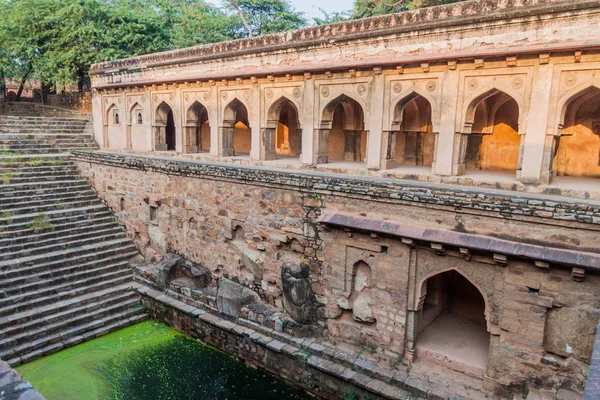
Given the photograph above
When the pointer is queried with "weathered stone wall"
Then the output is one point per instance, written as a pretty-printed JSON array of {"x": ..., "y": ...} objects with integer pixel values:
[{"x": 244, "y": 223}]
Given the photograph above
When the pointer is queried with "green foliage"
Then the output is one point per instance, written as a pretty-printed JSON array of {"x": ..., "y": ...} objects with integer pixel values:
[
  {"x": 8, "y": 176},
  {"x": 40, "y": 223},
  {"x": 350, "y": 394},
  {"x": 266, "y": 16},
  {"x": 370, "y": 8}
]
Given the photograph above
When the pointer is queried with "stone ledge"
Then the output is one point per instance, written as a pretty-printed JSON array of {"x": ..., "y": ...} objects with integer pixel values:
[
  {"x": 12, "y": 385},
  {"x": 360, "y": 373},
  {"x": 590, "y": 261},
  {"x": 559, "y": 210}
]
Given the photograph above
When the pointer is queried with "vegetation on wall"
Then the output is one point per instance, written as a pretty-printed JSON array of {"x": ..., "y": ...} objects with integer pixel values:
[{"x": 56, "y": 41}]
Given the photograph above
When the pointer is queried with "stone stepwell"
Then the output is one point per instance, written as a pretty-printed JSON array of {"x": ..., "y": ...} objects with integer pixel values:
[{"x": 64, "y": 270}]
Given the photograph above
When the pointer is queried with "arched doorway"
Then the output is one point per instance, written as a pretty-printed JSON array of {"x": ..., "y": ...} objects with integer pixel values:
[
  {"x": 165, "y": 134},
  {"x": 342, "y": 135},
  {"x": 197, "y": 129},
  {"x": 492, "y": 126},
  {"x": 282, "y": 136},
  {"x": 413, "y": 141},
  {"x": 577, "y": 149},
  {"x": 236, "y": 131},
  {"x": 451, "y": 324}
]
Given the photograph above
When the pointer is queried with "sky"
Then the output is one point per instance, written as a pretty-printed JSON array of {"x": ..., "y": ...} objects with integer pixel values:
[{"x": 310, "y": 8}]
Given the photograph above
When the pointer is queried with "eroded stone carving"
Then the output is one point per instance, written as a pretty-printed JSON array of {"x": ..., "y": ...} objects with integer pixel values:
[
  {"x": 173, "y": 269},
  {"x": 298, "y": 298},
  {"x": 232, "y": 297}
]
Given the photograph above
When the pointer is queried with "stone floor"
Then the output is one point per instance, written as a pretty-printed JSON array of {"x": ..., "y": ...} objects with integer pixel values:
[
  {"x": 456, "y": 343},
  {"x": 13, "y": 387}
]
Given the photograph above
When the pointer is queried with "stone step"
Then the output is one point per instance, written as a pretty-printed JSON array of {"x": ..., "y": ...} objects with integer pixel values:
[
  {"x": 24, "y": 221},
  {"x": 76, "y": 241},
  {"x": 122, "y": 313},
  {"x": 101, "y": 258},
  {"x": 60, "y": 225},
  {"x": 34, "y": 329},
  {"x": 21, "y": 202},
  {"x": 12, "y": 281},
  {"x": 10, "y": 245},
  {"x": 56, "y": 302},
  {"x": 92, "y": 222},
  {"x": 103, "y": 330},
  {"x": 120, "y": 246},
  {"x": 16, "y": 177},
  {"x": 8, "y": 192},
  {"x": 31, "y": 290},
  {"x": 41, "y": 150},
  {"x": 44, "y": 169},
  {"x": 41, "y": 119},
  {"x": 54, "y": 206},
  {"x": 18, "y": 329},
  {"x": 37, "y": 142}
]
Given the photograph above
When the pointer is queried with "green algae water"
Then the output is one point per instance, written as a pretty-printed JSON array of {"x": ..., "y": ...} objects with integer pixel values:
[{"x": 150, "y": 361}]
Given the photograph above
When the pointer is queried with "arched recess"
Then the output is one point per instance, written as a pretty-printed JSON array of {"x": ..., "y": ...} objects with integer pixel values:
[
  {"x": 451, "y": 323},
  {"x": 164, "y": 128},
  {"x": 411, "y": 139},
  {"x": 135, "y": 127},
  {"x": 491, "y": 139},
  {"x": 197, "y": 129},
  {"x": 282, "y": 136},
  {"x": 111, "y": 126},
  {"x": 576, "y": 150},
  {"x": 235, "y": 129},
  {"x": 342, "y": 134}
]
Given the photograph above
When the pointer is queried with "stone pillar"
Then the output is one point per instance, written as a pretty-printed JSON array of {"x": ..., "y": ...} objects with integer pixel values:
[
  {"x": 350, "y": 144},
  {"x": 389, "y": 144},
  {"x": 535, "y": 168},
  {"x": 160, "y": 138},
  {"x": 254, "y": 122},
  {"x": 308, "y": 120},
  {"x": 322, "y": 146},
  {"x": 449, "y": 141},
  {"x": 374, "y": 120},
  {"x": 191, "y": 144},
  {"x": 105, "y": 136},
  {"x": 227, "y": 141},
  {"x": 269, "y": 137},
  {"x": 213, "y": 117},
  {"x": 462, "y": 140},
  {"x": 411, "y": 339},
  {"x": 128, "y": 136}
]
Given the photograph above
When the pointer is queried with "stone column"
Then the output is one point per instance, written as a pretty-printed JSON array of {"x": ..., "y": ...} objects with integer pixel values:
[
  {"x": 308, "y": 120},
  {"x": 128, "y": 146},
  {"x": 535, "y": 169},
  {"x": 322, "y": 146},
  {"x": 374, "y": 121},
  {"x": 160, "y": 138},
  {"x": 449, "y": 141},
  {"x": 350, "y": 144},
  {"x": 227, "y": 141},
  {"x": 191, "y": 144},
  {"x": 389, "y": 144},
  {"x": 269, "y": 137}
]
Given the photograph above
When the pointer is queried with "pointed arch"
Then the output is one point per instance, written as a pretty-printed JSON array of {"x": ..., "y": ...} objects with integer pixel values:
[
  {"x": 197, "y": 128},
  {"x": 236, "y": 132},
  {"x": 491, "y": 139},
  {"x": 576, "y": 151},
  {"x": 412, "y": 139},
  {"x": 109, "y": 113},
  {"x": 342, "y": 134},
  {"x": 135, "y": 112},
  {"x": 282, "y": 135},
  {"x": 452, "y": 314},
  {"x": 164, "y": 128}
]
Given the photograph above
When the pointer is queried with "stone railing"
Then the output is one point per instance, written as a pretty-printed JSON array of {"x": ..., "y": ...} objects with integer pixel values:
[{"x": 417, "y": 18}]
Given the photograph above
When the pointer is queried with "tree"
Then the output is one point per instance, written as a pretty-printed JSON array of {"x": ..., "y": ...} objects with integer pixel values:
[
  {"x": 369, "y": 8},
  {"x": 262, "y": 17},
  {"x": 332, "y": 18},
  {"x": 23, "y": 32}
]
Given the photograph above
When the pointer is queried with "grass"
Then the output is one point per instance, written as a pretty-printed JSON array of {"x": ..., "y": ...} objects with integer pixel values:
[
  {"x": 8, "y": 216},
  {"x": 40, "y": 223},
  {"x": 8, "y": 176}
]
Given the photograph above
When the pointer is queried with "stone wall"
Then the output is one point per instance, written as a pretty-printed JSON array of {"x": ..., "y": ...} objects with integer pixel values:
[{"x": 245, "y": 223}]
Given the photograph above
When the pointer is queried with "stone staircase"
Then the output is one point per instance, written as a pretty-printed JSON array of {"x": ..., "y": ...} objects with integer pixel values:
[{"x": 64, "y": 270}]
